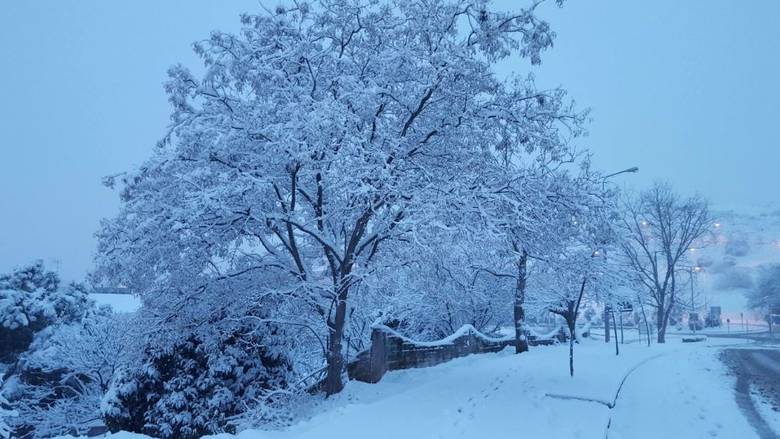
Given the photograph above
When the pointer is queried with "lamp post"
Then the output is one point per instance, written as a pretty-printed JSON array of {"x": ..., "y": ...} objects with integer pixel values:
[
  {"x": 631, "y": 170},
  {"x": 691, "y": 271}
]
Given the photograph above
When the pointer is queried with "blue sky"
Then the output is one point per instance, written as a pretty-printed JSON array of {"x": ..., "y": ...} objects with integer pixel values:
[{"x": 688, "y": 91}]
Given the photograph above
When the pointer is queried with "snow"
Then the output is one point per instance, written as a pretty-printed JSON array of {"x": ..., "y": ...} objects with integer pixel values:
[
  {"x": 766, "y": 410},
  {"x": 695, "y": 400},
  {"x": 674, "y": 389},
  {"x": 450, "y": 339}
]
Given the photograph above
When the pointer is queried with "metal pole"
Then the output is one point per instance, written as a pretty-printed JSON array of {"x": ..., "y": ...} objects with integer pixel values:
[
  {"x": 742, "y": 319},
  {"x": 614, "y": 326},
  {"x": 690, "y": 272},
  {"x": 621, "y": 327}
]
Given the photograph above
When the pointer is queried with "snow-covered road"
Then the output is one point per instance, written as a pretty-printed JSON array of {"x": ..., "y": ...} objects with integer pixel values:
[{"x": 757, "y": 387}]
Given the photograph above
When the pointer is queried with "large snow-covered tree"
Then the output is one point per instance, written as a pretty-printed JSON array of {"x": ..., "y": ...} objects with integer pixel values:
[
  {"x": 315, "y": 137},
  {"x": 661, "y": 228}
]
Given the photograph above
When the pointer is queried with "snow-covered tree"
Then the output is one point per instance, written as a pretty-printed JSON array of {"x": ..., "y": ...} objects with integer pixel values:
[
  {"x": 315, "y": 137},
  {"x": 32, "y": 298},
  {"x": 581, "y": 266},
  {"x": 540, "y": 211},
  {"x": 661, "y": 229},
  {"x": 765, "y": 295},
  {"x": 451, "y": 279}
]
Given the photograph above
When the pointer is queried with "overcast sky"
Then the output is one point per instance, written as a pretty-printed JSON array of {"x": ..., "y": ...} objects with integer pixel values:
[{"x": 688, "y": 91}]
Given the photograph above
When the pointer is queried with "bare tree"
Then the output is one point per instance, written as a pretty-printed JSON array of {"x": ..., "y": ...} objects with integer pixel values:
[{"x": 662, "y": 228}]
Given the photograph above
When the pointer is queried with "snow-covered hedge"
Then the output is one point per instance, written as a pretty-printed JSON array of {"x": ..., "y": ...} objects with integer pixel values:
[
  {"x": 189, "y": 391},
  {"x": 6, "y": 414}
]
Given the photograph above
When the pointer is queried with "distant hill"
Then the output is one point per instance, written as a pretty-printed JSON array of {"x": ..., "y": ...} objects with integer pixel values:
[{"x": 742, "y": 240}]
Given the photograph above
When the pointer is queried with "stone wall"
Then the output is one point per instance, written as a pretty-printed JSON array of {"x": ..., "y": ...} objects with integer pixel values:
[{"x": 392, "y": 351}]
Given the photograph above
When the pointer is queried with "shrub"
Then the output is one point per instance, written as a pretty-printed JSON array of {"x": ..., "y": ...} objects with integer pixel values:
[
  {"x": 31, "y": 299},
  {"x": 189, "y": 391}
]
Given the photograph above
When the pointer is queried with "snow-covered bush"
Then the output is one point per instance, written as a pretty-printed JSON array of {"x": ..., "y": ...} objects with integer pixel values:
[
  {"x": 189, "y": 391},
  {"x": 59, "y": 381},
  {"x": 31, "y": 298},
  {"x": 6, "y": 415}
]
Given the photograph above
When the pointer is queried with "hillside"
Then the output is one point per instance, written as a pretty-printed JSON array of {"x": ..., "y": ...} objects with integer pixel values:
[{"x": 742, "y": 241}]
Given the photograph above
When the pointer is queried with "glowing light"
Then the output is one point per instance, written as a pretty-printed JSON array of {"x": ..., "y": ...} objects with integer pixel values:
[
  {"x": 717, "y": 225},
  {"x": 697, "y": 269},
  {"x": 691, "y": 249}
]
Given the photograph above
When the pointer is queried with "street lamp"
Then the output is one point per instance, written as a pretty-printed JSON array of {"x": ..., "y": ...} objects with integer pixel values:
[
  {"x": 632, "y": 170},
  {"x": 691, "y": 270}
]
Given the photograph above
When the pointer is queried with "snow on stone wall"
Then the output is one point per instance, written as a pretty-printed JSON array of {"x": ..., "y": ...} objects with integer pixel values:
[{"x": 392, "y": 351}]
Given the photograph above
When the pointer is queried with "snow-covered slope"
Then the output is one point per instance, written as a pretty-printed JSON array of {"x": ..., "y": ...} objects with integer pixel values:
[{"x": 742, "y": 240}]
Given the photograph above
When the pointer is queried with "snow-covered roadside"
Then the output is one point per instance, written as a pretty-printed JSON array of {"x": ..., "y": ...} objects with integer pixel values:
[
  {"x": 504, "y": 395},
  {"x": 687, "y": 393},
  {"x": 767, "y": 411}
]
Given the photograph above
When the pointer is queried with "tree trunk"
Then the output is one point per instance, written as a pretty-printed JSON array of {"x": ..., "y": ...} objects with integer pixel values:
[
  {"x": 335, "y": 359},
  {"x": 571, "y": 356},
  {"x": 606, "y": 323},
  {"x": 572, "y": 327},
  {"x": 661, "y": 323},
  {"x": 521, "y": 341},
  {"x": 644, "y": 317}
]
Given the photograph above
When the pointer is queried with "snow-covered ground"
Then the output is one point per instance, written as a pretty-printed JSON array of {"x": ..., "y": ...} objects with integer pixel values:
[{"x": 675, "y": 390}]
